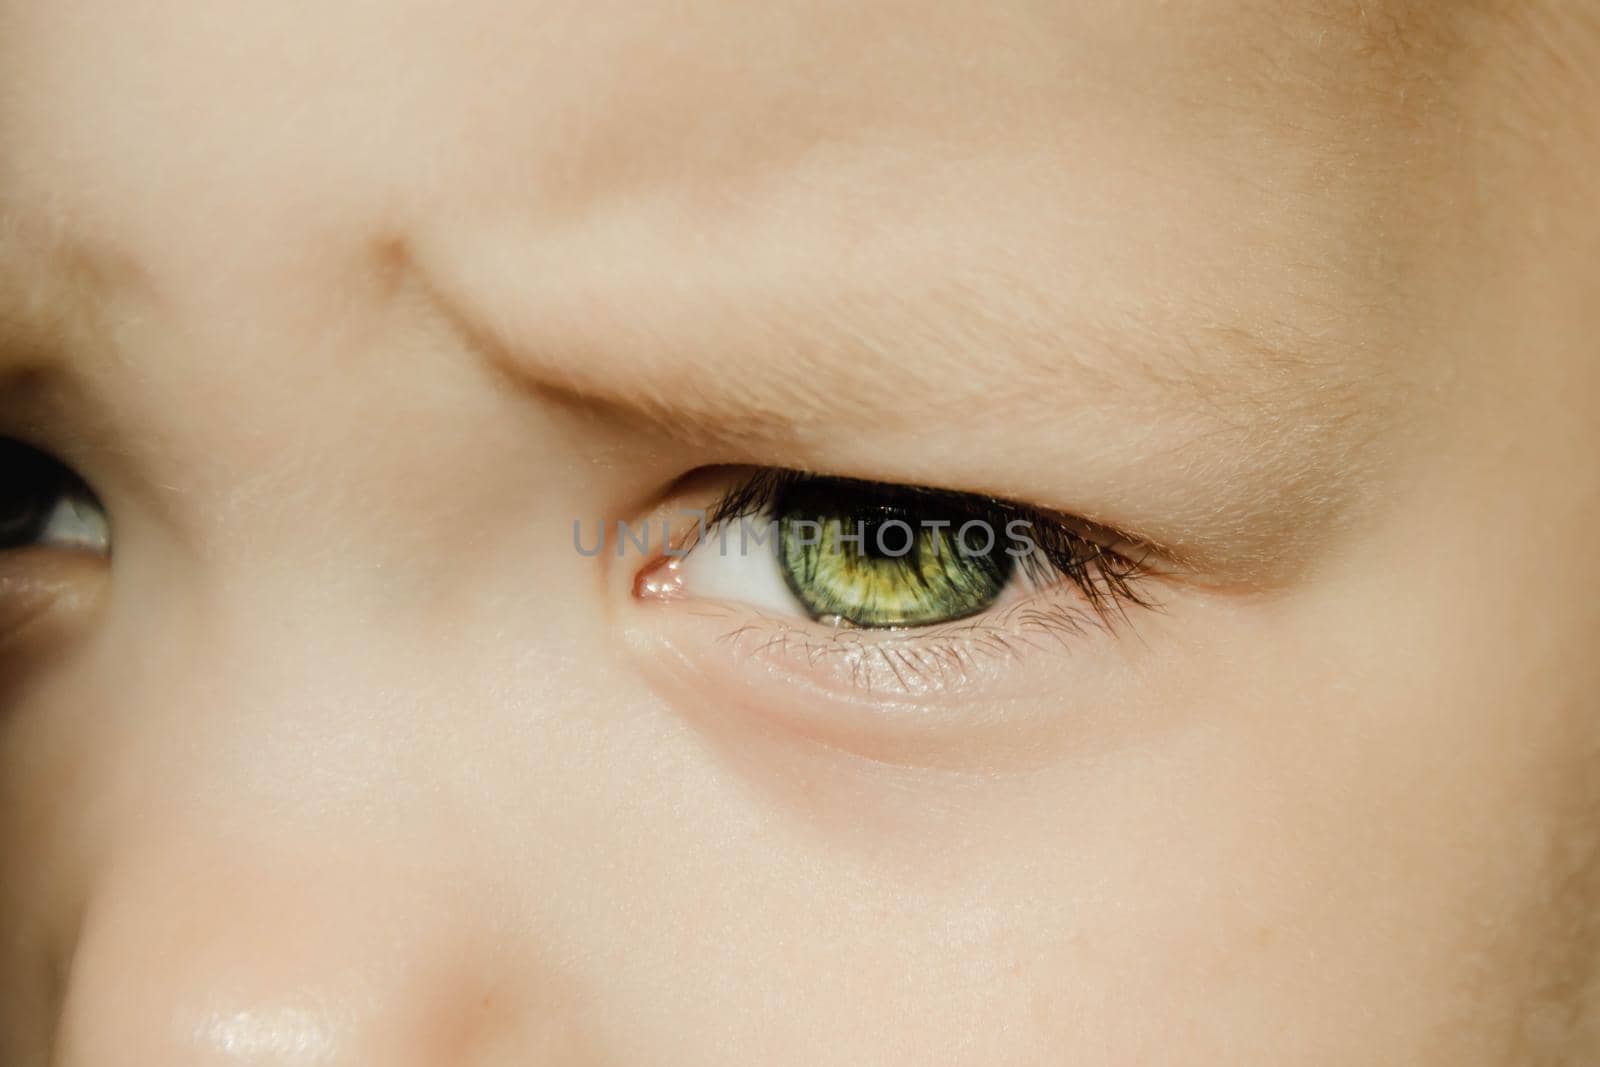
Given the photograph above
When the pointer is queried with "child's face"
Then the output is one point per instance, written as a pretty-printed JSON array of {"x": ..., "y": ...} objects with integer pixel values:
[{"x": 350, "y": 311}]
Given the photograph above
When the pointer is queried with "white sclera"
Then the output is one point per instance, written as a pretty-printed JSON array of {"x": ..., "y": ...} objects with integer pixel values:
[
  {"x": 76, "y": 522},
  {"x": 727, "y": 566}
]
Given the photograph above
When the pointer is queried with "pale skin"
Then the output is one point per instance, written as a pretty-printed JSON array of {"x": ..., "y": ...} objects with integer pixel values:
[{"x": 347, "y": 311}]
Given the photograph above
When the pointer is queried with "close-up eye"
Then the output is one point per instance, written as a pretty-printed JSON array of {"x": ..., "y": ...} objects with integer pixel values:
[
  {"x": 44, "y": 505},
  {"x": 890, "y": 620},
  {"x": 850, "y": 553}
]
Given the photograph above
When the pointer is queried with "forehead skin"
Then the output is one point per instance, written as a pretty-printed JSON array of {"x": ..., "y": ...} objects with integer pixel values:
[
  {"x": 1368, "y": 224},
  {"x": 1116, "y": 128},
  {"x": 1191, "y": 220}
]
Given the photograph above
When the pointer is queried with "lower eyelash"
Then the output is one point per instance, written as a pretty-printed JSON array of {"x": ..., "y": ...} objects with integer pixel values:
[{"x": 934, "y": 658}]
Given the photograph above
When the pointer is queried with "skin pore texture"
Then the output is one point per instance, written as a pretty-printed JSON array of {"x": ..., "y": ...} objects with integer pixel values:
[{"x": 347, "y": 310}]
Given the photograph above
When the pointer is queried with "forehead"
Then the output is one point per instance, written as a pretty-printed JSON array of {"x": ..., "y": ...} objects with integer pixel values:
[
  {"x": 578, "y": 99},
  {"x": 1124, "y": 156}
]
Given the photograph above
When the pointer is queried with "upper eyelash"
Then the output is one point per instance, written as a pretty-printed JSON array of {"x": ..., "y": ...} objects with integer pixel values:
[{"x": 1110, "y": 579}]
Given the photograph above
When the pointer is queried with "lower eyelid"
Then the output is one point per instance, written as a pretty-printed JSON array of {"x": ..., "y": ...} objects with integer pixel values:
[
  {"x": 944, "y": 661},
  {"x": 953, "y": 696},
  {"x": 44, "y": 592}
]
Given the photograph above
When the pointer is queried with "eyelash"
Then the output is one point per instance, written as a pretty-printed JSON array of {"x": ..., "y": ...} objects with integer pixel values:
[{"x": 1068, "y": 550}]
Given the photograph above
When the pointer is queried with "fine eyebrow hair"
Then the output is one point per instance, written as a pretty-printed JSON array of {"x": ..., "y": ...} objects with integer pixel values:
[
  {"x": 893, "y": 366},
  {"x": 847, "y": 364},
  {"x": 58, "y": 287},
  {"x": 51, "y": 285},
  {"x": 58, "y": 343}
]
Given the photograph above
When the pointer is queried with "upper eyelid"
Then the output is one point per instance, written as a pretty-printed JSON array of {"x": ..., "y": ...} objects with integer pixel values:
[{"x": 760, "y": 491}]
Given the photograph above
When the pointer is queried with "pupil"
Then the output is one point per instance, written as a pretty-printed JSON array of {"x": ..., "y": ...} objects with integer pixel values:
[{"x": 881, "y": 542}]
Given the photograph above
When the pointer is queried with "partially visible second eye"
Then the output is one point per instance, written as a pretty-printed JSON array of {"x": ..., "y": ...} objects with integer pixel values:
[
  {"x": 872, "y": 555},
  {"x": 43, "y": 504}
]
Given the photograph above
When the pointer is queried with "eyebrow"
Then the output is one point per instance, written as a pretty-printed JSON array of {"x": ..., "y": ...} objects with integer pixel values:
[
  {"x": 1242, "y": 408},
  {"x": 57, "y": 285},
  {"x": 44, "y": 288},
  {"x": 1264, "y": 424},
  {"x": 1233, "y": 371},
  {"x": 849, "y": 362},
  {"x": 853, "y": 363}
]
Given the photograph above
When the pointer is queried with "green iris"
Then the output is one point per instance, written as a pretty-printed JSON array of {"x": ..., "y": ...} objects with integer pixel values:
[{"x": 878, "y": 560}]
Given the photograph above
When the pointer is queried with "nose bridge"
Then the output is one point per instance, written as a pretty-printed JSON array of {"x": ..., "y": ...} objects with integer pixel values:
[
  {"x": 289, "y": 885},
  {"x": 358, "y": 605},
  {"x": 199, "y": 953},
  {"x": 189, "y": 956}
]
